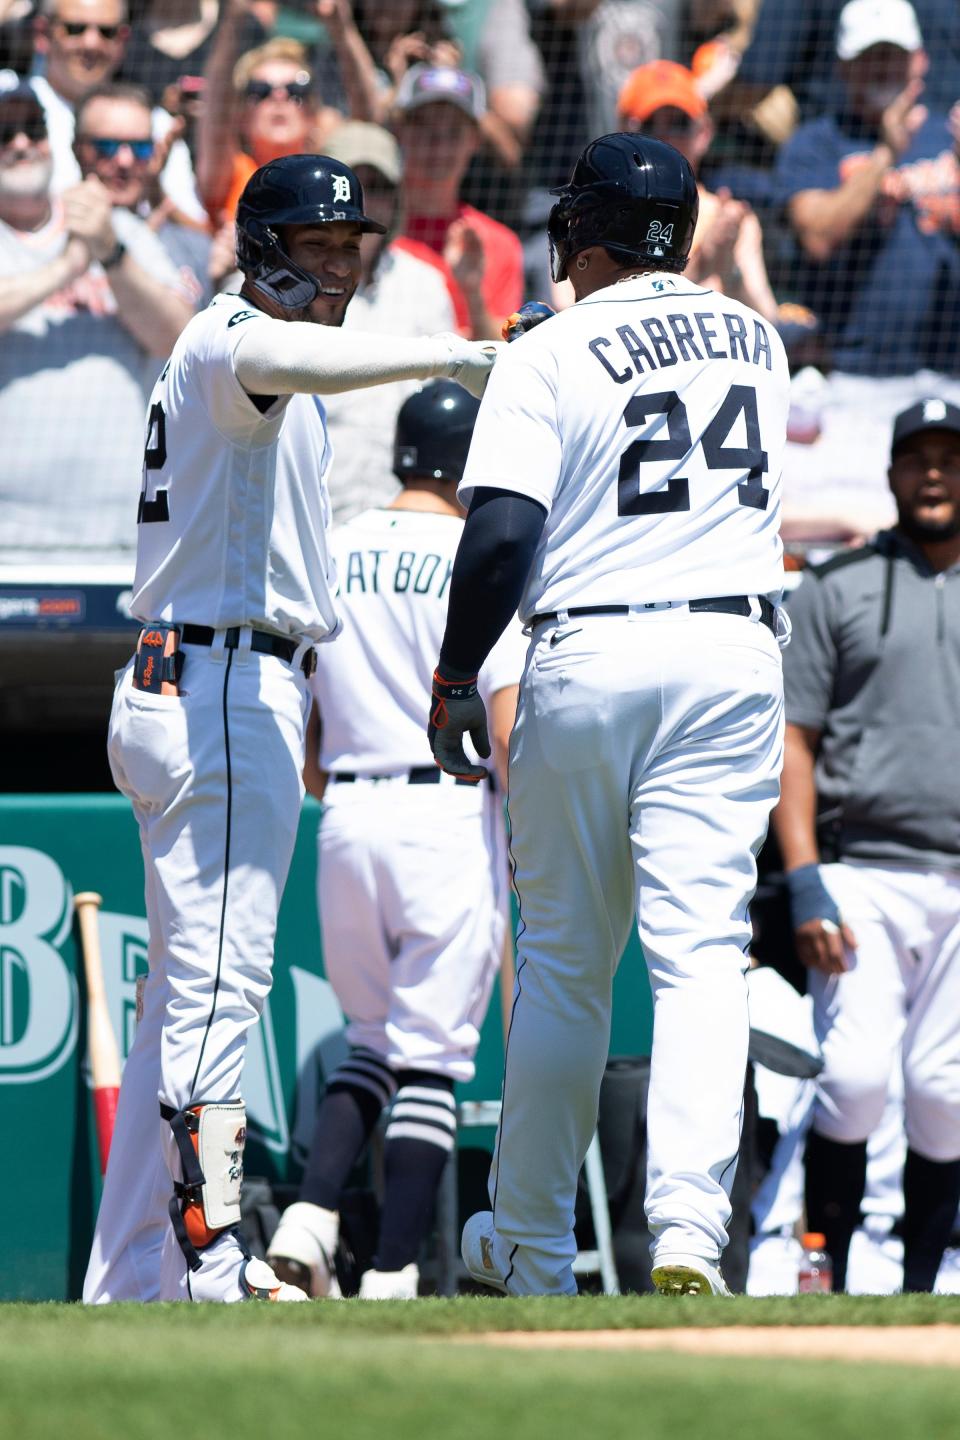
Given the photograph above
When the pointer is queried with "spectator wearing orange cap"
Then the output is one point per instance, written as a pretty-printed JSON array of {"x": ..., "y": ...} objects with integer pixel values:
[{"x": 662, "y": 100}]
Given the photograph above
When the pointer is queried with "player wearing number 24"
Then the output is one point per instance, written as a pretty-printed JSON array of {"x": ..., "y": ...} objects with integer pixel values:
[{"x": 624, "y": 492}]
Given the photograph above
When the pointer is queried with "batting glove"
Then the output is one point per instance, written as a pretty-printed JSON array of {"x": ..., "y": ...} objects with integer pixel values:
[
  {"x": 456, "y": 710},
  {"x": 527, "y": 318},
  {"x": 470, "y": 361}
]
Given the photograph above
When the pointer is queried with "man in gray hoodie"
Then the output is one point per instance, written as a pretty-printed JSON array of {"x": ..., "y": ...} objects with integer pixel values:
[{"x": 869, "y": 827}]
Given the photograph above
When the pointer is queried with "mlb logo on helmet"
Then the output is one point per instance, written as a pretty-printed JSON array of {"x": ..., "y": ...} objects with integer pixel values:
[
  {"x": 659, "y": 237},
  {"x": 934, "y": 410}
]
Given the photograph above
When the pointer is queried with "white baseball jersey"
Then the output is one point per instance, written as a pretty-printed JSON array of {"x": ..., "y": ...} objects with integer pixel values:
[
  {"x": 649, "y": 421},
  {"x": 234, "y": 507},
  {"x": 373, "y": 686}
]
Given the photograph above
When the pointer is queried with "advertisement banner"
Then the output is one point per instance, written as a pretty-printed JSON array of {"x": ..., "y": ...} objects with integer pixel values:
[{"x": 53, "y": 847}]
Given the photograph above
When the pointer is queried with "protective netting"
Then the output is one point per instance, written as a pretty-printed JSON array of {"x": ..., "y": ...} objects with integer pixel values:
[{"x": 825, "y": 139}]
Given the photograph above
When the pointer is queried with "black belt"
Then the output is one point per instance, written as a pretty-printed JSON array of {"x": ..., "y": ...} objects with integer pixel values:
[
  {"x": 261, "y": 641},
  {"x": 722, "y": 605},
  {"x": 419, "y": 775}
]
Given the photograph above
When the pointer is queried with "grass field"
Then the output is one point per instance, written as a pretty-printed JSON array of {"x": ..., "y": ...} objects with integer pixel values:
[{"x": 393, "y": 1372}]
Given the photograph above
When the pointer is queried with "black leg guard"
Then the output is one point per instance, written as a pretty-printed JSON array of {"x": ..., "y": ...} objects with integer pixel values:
[
  {"x": 836, "y": 1177},
  {"x": 931, "y": 1195}
]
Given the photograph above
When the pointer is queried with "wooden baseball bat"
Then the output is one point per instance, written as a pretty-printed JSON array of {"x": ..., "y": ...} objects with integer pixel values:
[{"x": 101, "y": 1041}]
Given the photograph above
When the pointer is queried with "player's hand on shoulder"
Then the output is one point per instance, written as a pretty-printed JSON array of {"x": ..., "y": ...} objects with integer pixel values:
[
  {"x": 457, "y": 710},
  {"x": 470, "y": 361}
]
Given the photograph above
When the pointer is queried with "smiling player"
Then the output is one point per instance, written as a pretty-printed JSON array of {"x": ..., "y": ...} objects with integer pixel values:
[{"x": 234, "y": 588}]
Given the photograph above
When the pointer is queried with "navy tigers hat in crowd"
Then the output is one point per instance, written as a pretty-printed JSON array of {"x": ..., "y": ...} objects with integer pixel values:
[{"x": 930, "y": 414}]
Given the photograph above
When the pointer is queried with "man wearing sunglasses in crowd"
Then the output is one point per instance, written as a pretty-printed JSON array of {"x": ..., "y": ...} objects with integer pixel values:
[
  {"x": 114, "y": 143},
  {"x": 662, "y": 100},
  {"x": 90, "y": 305},
  {"x": 79, "y": 45}
]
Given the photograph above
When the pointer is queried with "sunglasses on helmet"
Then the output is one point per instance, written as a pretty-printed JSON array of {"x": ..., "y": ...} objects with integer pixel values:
[
  {"x": 107, "y": 148},
  {"x": 73, "y": 28},
  {"x": 34, "y": 128},
  {"x": 257, "y": 91}
]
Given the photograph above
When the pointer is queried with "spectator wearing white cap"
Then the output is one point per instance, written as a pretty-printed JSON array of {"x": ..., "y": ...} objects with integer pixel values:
[
  {"x": 437, "y": 118},
  {"x": 872, "y": 193}
]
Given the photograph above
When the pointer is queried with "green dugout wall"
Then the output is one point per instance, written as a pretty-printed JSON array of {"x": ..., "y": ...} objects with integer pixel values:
[{"x": 54, "y": 846}]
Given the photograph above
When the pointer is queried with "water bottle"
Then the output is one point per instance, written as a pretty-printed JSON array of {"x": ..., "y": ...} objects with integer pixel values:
[{"x": 815, "y": 1273}]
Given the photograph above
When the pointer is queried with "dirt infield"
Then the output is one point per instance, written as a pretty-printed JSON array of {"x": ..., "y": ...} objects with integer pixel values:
[{"x": 900, "y": 1345}]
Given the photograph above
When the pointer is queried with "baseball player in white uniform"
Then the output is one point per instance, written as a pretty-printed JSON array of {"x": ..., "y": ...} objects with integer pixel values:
[
  {"x": 412, "y": 884},
  {"x": 624, "y": 484},
  {"x": 234, "y": 586}
]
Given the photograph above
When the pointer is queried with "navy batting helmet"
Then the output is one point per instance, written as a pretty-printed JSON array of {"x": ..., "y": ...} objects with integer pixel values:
[
  {"x": 434, "y": 428},
  {"x": 632, "y": 195},
  {"x": 293, "y": 190}
]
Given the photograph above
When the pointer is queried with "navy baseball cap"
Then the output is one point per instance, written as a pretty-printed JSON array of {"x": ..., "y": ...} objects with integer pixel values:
[{"x": 930, "y": 414}]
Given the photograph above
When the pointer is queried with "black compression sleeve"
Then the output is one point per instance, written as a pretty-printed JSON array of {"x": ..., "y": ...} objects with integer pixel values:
[{"x": 496, "y": 550}]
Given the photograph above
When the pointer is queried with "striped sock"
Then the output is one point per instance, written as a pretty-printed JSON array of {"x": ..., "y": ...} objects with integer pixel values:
[
  {"x": 356, "y": 1094},
  {"x": 421, "y": 1134}
]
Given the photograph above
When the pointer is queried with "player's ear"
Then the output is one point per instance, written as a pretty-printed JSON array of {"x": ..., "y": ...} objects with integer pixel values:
[{"x": 41, "y": 34}]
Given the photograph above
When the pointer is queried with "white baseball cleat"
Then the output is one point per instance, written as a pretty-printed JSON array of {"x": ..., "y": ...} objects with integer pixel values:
[
  {"x": 303, "y": 1247},
  {"x": 687, "y": 1275},
  {"x": 390, "y": 1284},
  {"x": 477, "y": 1250},
  {"x": 259, "y": 1282}
]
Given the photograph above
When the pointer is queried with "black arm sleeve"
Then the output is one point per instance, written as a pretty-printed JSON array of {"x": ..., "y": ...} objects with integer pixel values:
[{"x": 496, "y": 550}]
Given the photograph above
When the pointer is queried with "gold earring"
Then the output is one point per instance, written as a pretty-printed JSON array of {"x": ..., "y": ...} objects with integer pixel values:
[{"x": 582, "y": 262}]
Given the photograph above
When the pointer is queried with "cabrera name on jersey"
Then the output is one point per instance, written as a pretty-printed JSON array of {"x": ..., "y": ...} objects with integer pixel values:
[
  {"x": 234, "y": 509},
  {"x": 373, "y": 686},
  {"x": 649, "y": 420}
]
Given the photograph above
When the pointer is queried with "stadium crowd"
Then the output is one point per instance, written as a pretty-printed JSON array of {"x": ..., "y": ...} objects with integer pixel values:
[
  {"x": 825, "y": 145},
  {"x": 825, "y": 138}
]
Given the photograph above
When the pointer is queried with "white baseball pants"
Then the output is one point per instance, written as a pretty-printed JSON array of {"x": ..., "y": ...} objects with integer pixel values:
[
  {"x": 901, "y": 992},
  {"x": 644, "y": 765},
  {"x": 413, "y": 900},
  {"x": 214, "y": 776}
]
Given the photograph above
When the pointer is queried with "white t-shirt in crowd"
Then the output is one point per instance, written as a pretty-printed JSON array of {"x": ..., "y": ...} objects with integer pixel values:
[
  {"x": 73, "y": 384},
  {"x": 406, "y": 297}
]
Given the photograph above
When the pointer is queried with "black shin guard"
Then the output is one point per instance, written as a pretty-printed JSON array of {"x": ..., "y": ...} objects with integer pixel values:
[
  {"x": 420, "y": 1137},
  {"x": 347, "y": 1117},
  {"x": 931, "y": 1196},
  {"x": 836, "y": 1177}
]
